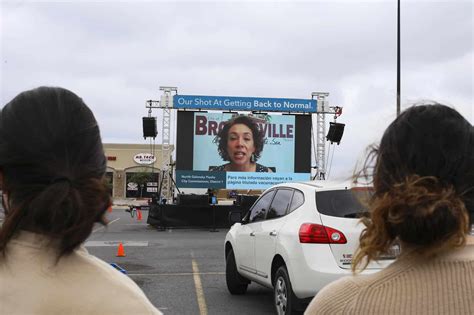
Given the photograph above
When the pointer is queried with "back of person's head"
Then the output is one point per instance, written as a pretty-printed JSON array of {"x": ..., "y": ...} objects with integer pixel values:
[
  {"x": 423, "y": 184},
  {"x": 53, "y": 164}
]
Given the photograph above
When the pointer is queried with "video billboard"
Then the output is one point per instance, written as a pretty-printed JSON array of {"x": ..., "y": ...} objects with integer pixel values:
[{"x": 227, "y": 150}]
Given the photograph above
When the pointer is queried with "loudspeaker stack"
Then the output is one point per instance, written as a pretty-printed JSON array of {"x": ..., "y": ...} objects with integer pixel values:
[
  {"x": 149, "y": 127},
  {"x": 335, "y": 132}
]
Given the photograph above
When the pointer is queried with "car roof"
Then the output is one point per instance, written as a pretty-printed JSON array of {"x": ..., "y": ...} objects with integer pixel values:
[{"x": 322, "y": 185}]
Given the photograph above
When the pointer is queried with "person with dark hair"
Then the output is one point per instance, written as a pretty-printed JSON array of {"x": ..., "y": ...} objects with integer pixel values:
[
  {"x": 240, "y": 142},
  {"x": 424, "y": 200},
  {"x": 52, "y": 167}
]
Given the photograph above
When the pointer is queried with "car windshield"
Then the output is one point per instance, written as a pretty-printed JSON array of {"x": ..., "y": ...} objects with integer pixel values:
[{"x": 343, "y": 203}]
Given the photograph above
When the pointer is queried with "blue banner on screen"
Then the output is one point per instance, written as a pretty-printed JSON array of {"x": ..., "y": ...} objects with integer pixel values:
[
  {"x": 235, "y": 180},
  {"x": 239, "y": 180},
  {"x": 244, "y": 103}
]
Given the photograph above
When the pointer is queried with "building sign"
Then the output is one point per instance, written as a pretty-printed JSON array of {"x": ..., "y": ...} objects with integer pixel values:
[
  {"x": 144, "y": 158},
  {"x": 132, "y": 186},
  {"x": 244, "y": 103}
]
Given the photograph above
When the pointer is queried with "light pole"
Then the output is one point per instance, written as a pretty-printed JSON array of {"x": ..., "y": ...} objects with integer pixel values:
[{"x": 398, "y": 57}]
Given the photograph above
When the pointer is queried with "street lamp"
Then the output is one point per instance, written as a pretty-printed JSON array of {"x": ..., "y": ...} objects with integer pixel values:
[{"x": 398, "y": 57}]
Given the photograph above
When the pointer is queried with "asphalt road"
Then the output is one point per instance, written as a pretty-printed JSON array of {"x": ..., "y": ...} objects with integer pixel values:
[{"x": 182, "y": 271}]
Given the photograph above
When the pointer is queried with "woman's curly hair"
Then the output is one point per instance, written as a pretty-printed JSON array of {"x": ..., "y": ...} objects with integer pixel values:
[
  {"x": 222, "y": 135},
  {"x": 423, "y": 184}
]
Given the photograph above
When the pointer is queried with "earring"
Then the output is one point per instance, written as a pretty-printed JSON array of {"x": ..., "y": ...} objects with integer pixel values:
[{"x": 252, "y": 158}]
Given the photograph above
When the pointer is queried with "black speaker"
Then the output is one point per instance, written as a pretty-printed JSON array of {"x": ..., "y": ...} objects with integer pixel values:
[
  {"x": 149, "y": 127},
  {"x": 335, "y": 132}
]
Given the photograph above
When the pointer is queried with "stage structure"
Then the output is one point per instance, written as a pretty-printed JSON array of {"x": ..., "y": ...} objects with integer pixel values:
[
  {"x": 320, "y": 147},
  {"x": 286, "y": 149}
]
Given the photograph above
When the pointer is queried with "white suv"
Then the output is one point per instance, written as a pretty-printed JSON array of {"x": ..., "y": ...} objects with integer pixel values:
[{"x": 296, "y": 238}]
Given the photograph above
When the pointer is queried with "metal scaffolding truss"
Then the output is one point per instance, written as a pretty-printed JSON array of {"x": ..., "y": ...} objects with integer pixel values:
[
  {"x": 320, "y": 142},
  {"x": 166, "y": 106},
  {"x": 320, "y": 146}
]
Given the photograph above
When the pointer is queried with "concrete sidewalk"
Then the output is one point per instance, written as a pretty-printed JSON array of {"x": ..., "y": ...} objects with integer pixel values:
[{"x": 130, "y": 202}]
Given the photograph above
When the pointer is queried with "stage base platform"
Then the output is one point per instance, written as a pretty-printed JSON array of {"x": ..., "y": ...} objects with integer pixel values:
[{"x": 182, "y": 216}]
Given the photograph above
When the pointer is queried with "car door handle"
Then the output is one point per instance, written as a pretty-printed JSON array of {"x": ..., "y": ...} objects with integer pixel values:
[
  {"x": 273, "y": 233},
  {"x": 252, "y": 233}
]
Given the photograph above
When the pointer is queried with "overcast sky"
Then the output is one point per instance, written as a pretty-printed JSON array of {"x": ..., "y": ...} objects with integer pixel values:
[{"x": 116, "y": 54}]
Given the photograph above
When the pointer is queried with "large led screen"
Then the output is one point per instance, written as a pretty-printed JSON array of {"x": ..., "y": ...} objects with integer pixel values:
[{"x": 225, "y": 150}]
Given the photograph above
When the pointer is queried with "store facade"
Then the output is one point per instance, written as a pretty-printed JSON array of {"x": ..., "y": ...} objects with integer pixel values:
[{"x": 134, "y": 170}]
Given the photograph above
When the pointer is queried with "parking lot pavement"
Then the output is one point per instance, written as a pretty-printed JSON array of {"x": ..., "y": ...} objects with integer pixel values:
[{"x": 182, "y": 271}]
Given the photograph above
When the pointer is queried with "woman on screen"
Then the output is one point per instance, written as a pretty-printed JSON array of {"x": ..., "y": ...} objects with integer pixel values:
[{"x": 240, "y": 142}]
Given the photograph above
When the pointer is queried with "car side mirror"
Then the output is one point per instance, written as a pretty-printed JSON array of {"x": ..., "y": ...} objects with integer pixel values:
[{"x": 235, "y": 217}]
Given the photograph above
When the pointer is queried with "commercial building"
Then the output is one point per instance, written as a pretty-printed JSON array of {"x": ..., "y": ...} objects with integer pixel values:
[{"x": 135, "y": 170}]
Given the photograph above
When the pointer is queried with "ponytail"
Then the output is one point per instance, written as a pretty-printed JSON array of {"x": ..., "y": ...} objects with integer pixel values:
[{"x": 64, "y": 209}]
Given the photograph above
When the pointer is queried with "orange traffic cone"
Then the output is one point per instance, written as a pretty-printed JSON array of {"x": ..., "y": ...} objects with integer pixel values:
[
  {"x": 121, "y": 251},
  {"x": 139, "y": 215},
  {"x": 109, "y": 209}
]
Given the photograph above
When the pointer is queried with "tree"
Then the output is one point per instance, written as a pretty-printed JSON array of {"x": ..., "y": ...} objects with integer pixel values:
[{"x": 140, "y": 179}]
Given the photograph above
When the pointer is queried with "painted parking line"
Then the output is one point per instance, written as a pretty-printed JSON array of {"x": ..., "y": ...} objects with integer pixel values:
[
  {"x": 116, "y": 243},
  {"x": 199, "y": 291},
  {"x": 217, "y": 273}
]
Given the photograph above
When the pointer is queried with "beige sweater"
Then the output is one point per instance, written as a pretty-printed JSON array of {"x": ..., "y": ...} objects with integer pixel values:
[
  {"x": 30, "y": 283},
  {"x": 411, "y": 285}
]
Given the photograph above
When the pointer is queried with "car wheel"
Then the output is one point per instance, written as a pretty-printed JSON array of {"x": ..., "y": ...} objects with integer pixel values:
[
  {"x": 285, "y": 299},
  {"x": 235, "y": 282}
]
